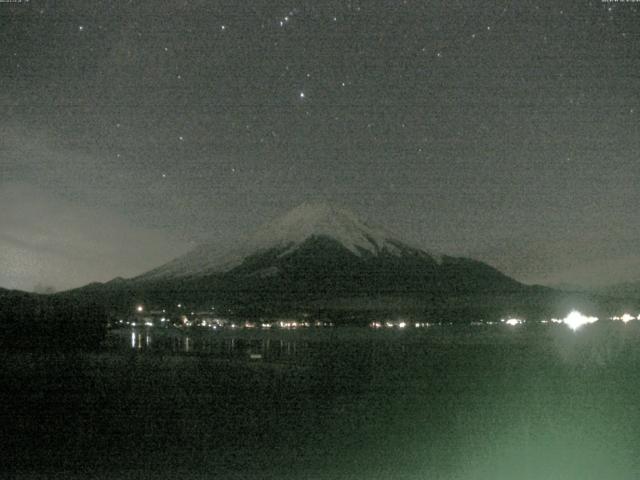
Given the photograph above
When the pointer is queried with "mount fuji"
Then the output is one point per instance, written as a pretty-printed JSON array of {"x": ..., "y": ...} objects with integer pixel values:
[
  {"x": 287, "y": 236},
  {"x": 316, "y": 257}
]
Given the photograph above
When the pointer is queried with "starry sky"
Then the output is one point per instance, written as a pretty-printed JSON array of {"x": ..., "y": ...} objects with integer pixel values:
[{"x": 133, "y": 130}]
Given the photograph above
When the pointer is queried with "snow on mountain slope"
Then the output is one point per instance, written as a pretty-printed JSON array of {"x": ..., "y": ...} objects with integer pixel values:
[
  {"x": 287, "y": 233},
  {"x": 322, "y": 219}
]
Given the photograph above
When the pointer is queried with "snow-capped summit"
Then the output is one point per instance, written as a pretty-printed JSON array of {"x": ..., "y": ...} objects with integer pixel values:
[
  {"x": 287, "y": 233},
  {"x": 324, "y": 219}
]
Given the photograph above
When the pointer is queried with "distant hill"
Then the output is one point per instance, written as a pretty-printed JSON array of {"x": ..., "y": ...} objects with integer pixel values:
[
  {"x": 622, "y": 290},
  {"x": 30, "y": 321}
]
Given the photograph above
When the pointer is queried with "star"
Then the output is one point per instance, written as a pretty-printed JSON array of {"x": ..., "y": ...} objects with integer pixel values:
[
  {"x": 223, "y": 27},
  {"x": 181, "y": 138},
  {"x": 164, "y": 175},
  {"x": 81, "y": 28},
  {"x": 302, "y": 96}
]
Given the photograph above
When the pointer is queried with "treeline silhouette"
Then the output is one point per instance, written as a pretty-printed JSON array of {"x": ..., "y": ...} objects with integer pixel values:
[{"x": 50, "y": 323}]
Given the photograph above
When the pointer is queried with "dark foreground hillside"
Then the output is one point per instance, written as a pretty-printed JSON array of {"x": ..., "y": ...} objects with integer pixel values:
[{"x": 31, "y": 322}]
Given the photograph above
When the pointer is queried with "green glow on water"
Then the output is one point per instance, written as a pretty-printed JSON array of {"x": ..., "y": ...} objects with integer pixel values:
[{"x": 501, "y": 404}]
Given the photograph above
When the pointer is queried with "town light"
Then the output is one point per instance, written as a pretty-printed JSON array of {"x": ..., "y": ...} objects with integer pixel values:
[
  {"x": 575, "y": 320},
  {"x": 513, "y": 321}
]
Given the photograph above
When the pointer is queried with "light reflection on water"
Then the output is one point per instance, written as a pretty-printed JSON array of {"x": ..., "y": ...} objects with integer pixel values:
[
  {"x": 220, "y": 347},
  {"x": 140, "y": 340}
]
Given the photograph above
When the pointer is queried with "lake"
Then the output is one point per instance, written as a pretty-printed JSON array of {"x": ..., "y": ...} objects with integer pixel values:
[{"x": 444, "y": 402}]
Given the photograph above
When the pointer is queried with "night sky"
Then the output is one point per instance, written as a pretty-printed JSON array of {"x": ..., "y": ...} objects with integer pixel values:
[{"x": 132, "y": 130}]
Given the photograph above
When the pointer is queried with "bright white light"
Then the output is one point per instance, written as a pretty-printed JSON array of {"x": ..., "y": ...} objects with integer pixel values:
[
  {"x": 575, "y": 320},
  {"x": 139, "y": 308},
  {"x": 627, "y": 318},
  {"x": 402, "y": 325},
  {"x": 301, "y": 94},
  {"x": 512, "y": 321},
  {"x": 149, "y": 324}
]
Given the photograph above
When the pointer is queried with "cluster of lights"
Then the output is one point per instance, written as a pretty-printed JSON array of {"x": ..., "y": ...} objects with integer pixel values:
[
  {"x": 191, "y": 319},
  {"x": 292, "y": 324},
  {"x": 512, "y": 322},
  {"x": 575, "y": 320},
  {"x": 397, "y": 324},
  {"x": 625, "y": 318}
]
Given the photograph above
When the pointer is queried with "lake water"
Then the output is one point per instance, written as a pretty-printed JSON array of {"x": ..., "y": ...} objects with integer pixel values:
[{"x": 444, "y": 403}]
